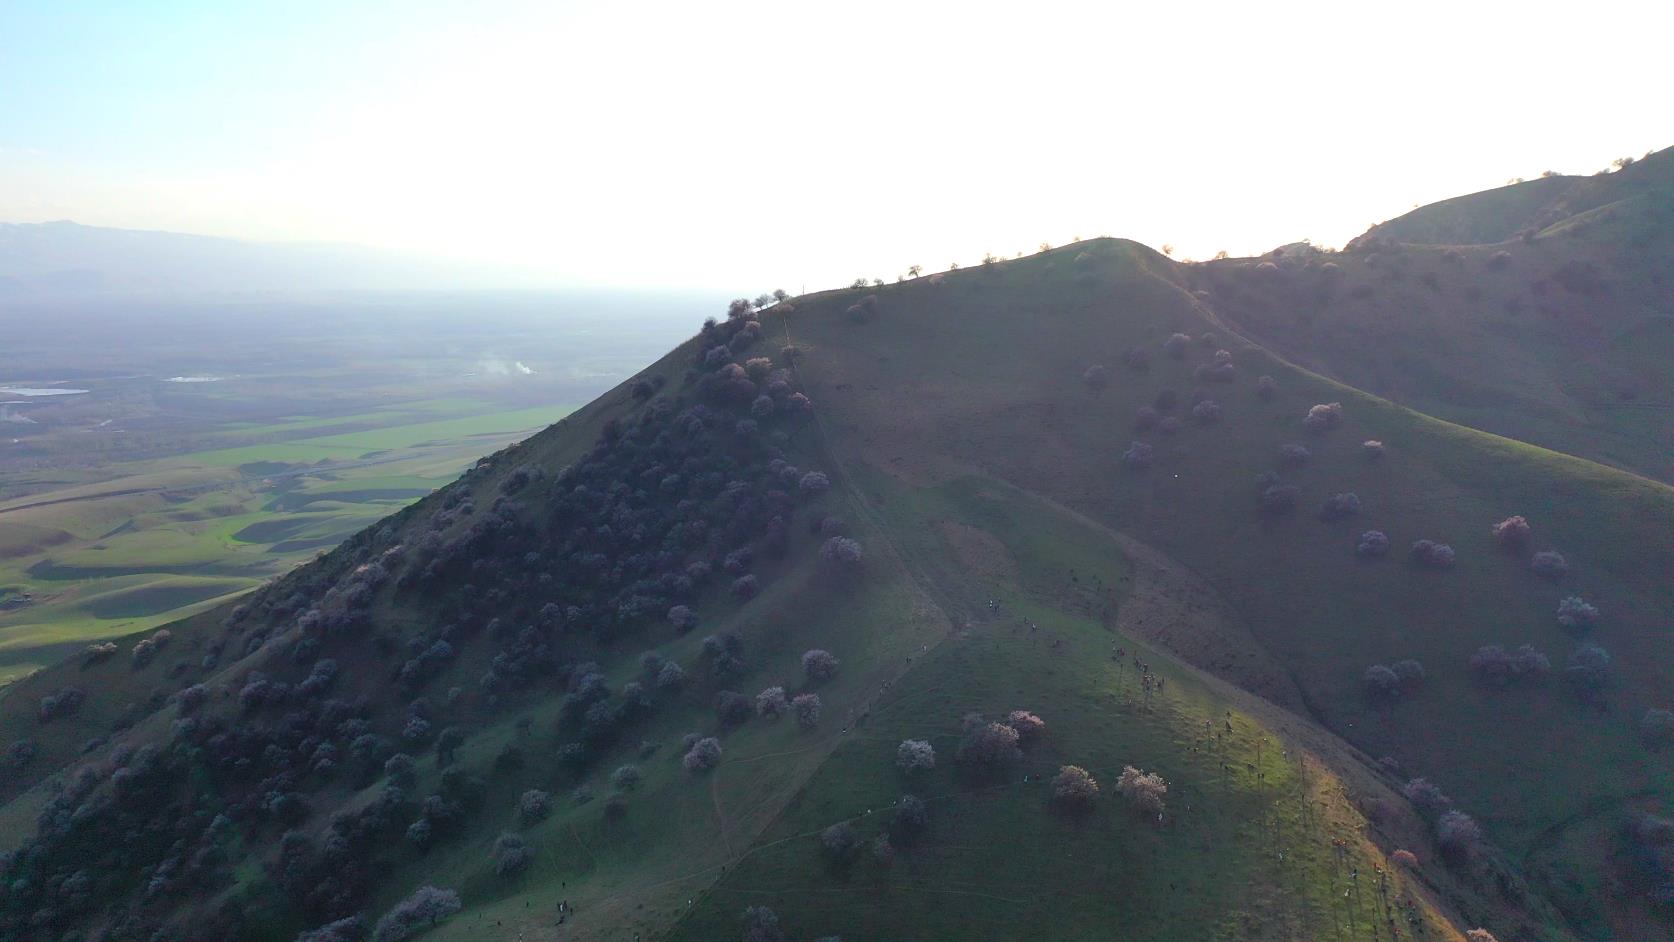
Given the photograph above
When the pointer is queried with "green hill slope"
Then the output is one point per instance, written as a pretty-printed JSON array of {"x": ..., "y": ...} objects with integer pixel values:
[
  {"x": 1561, "y": 339},
  {"x": 1185, "y": 614}
]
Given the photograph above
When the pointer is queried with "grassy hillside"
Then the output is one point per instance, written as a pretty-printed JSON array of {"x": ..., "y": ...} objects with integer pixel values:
[
  {"x": 1561, "y": 340},
  {"x": 1010, "y": 552}
]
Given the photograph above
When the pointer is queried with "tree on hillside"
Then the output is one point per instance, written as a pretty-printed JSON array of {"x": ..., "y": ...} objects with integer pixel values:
[
  {"x": 1096, "y": 377},
  {"x": 1338, "y": 506},
  {"x": 842, "y": 551},
  {"x": 1266, "y": 388},
  {"x": 1207, "y": 412},
  {"x": 1323, "y": 416},
  {"x": 1294, "y": 455},
  {"x": 912, "y": 816},
  {"x": 819, "y": 665},
  {"x": 1549, "y": 563},
  {"x": 1372, "y": 449},
  {"x": 1512, "y": 533},
  {"x": 703, "y": 755},
  {"x": 511, "y": 854},
  {"x": 762, "y": 925},
  {"x": 1495, "y": 666},
  {"x": 1381, "y": 681},
  {"x": 534, "y": 806},
  {"x": 1589, "y": 670},
  {"x": 1029, "y": 726},
  {"x": 1138, "y": 456},
  {"x": 1458, "y": 835},
  {"x": 1576, "y": 615},
  {"x": 1432, "y": 555},
  {"x": 914, "y": 270},
  {"x": 915, "y": 755},
  {"x": 425, "y": 908},
  {"x": 806, "y": 708},
  {"x": 1177, "y": 345},
  {"x": 772, "y": 703},
  {"x": 988, "y": 745},
  {"x": 1280, "y": 499},
  {"x": 1074, "y": 788},
  {"x": 1373, "y": 543},
  {"x": 1144, "y": 790}
]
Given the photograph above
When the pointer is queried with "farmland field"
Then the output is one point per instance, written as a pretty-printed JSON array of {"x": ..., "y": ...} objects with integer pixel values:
[{"x": 219, "y": 444}]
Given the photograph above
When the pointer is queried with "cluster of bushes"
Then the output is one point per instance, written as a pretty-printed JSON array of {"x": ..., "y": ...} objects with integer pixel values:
[
  {"x": 1457, "y": 834},
  {"x": 1495, "y": 666},
  {"x": 66, "y": 701}
]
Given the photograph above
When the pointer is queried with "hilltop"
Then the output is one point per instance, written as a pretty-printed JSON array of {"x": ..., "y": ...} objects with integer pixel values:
[{"x": 822, "y": 624}]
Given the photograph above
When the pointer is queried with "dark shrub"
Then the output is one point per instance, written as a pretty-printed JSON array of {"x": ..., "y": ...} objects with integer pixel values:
[
  {"x": 703, "y": 755},
  {"x": 1145, "y": 418},
  {"x": 1495, "y": 666},
  {"x": 1324, "y": 416},
  {"x": 1428, "y": 798},
  {"x": 1372, "y": 449},
  {"x": 1279, "y": 499},
  {"x": 912, "y": 816},
  {"x": 1576, "y": 615},
  {"x": 1266, "y": 388},
  {"x": 1432, "y": 555},
  {"x": 772, "y": 703},
  {"x": 422, "y": 910},
  {"x": 511, "y": 854},
  {"x": 1373, "y": 543},
  {"x": 839, "y": 842},
  {"x": 1589, "y": 669},
  {"x": 682, "y": 618},
  {"x": 1177, "y": 345},
  {"x": 1168, "y": 425},
  {"x": 762, "y": 925},
  {"x": 1096, "y": 377},
  {"x": 1381, "y": 681},
  {"x": 1338, "y": 506},
  {"x": 842, "y": 551},
  {"x": 1029, "y": 726},
  {"x": 746, "y": 587},
  {"x": 1074, "y": 788},
  {"x": 1207, "y": 412},
  {"x": 806, "y": 708},
  {"x": 989, "y": 745},
  {"x": 819, "y": 665},
  {"x": 534, "y": 806},
  {"x": 731, "y": 708},
  {"x": 1138, "y": 456},
  {"x": 1458, "y": 835},
  {"x": 1512, "y": 533},
  {"x": 915, "y": 755},
  {"x": 1294, "y": 456},
  {"x": 1550, "y": 564}
]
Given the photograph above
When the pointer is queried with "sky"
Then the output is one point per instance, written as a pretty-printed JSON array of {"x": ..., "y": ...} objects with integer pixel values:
[{"x": 749, "y": 146}]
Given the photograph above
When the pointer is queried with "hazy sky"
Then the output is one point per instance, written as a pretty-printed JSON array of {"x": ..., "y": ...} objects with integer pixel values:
[{"x": 757, "y": 145}]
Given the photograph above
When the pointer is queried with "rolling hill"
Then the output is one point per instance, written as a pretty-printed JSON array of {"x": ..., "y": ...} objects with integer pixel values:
[{"x": 975, "y": 538}]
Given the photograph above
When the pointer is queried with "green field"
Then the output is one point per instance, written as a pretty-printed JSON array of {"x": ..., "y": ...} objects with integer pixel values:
[{"x": 159, "y": 539}]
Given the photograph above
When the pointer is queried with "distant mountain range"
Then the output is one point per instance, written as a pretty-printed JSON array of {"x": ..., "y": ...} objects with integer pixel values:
[{"x": 66, "y": 258}]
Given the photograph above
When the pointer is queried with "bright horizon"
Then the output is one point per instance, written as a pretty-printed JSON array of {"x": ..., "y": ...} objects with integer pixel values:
[{"x": 747, "y": 146}]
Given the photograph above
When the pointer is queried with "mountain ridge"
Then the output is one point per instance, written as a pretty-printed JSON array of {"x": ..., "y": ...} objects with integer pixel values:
[{"x": 1067, "y": 479}]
